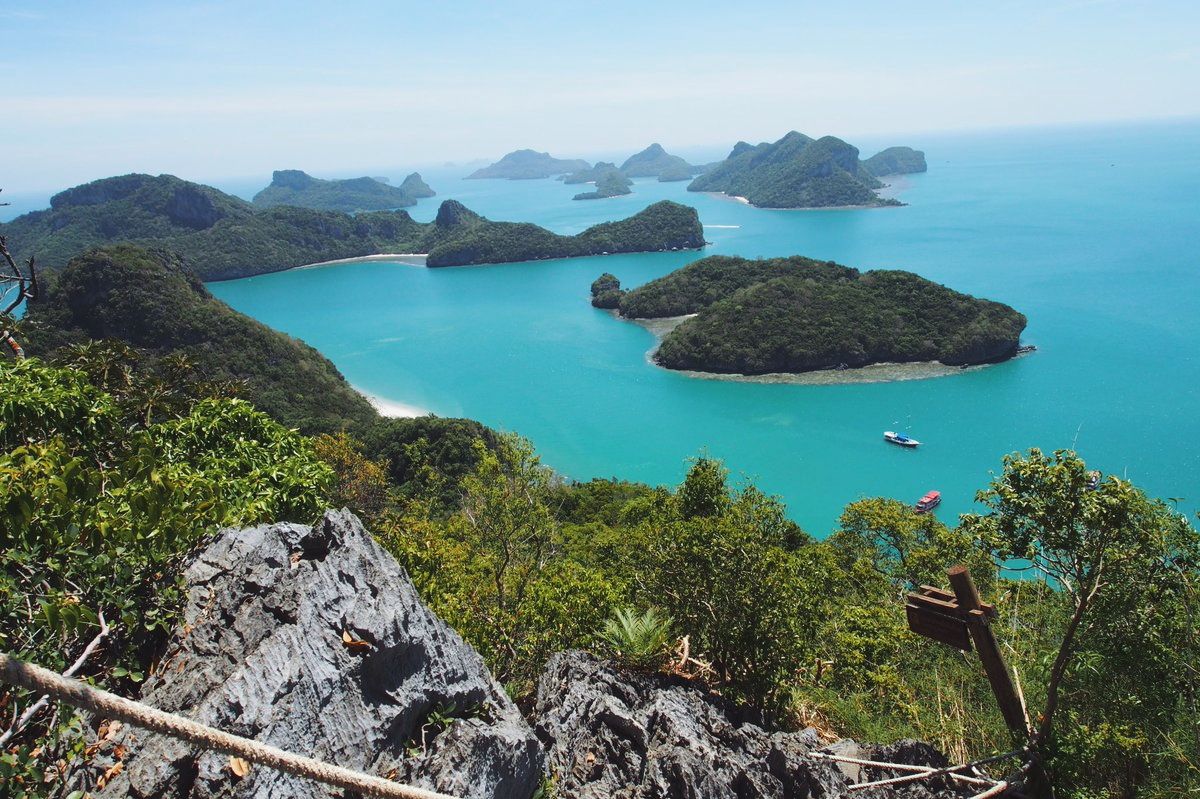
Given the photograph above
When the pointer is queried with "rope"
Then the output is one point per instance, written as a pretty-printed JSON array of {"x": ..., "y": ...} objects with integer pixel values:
[{"x": 73, "y": 692}]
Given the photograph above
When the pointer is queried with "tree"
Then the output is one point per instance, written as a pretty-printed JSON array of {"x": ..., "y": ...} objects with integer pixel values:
[{"x": 1126, "y": 568}]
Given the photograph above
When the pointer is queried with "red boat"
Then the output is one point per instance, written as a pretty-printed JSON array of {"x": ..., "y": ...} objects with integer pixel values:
[{"x": 928, "y": 502}]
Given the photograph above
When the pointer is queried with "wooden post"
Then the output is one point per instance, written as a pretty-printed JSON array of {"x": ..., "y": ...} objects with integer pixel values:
[{"x": 972, "y": 609}]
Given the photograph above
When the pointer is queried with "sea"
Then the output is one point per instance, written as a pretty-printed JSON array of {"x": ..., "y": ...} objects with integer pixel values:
[{"x": 1092, "y": 232}]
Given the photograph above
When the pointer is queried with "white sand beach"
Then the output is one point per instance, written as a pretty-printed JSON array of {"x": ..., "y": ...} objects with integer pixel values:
[
  {"x": 407, "y": 258},
  {"x": 393, "y": 410}
]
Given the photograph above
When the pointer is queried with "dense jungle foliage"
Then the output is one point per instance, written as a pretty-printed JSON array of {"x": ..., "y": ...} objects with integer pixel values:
[
  {"x": 794, "y": 172},
  {"x": 224, "y": 237},
  {"x": 796, "y": 314},
  {"x": 294, "y": 187},
  {"x": 151, "y": 303}
]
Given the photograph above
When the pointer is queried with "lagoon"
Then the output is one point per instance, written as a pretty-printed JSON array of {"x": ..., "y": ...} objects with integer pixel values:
[{"x": 1091, "y": 232}]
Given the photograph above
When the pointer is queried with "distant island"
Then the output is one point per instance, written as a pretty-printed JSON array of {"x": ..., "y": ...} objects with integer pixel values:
[
  {"x": 655, "y": 162},
  {"x": 800, "y": 172},
  {"x": 415, "y": 186},
  {"x": 529, "y": 165},
  {"x": 792, "y": 315},
  {"x": 294, "y": 187},
  {"x": 225, "y": 237},
  {"x": 610, "y": 182},
  {"x": 660, "y": 227},
  {"x": 896, "y": 161}
]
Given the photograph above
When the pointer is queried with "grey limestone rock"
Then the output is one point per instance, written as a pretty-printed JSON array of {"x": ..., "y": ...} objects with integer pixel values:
[
  {"x": 262, "y": 655},
  {"x": 613, "y": 734}
]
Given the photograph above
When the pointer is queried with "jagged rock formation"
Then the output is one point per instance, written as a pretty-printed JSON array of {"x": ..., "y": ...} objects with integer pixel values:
[
  {"x": 620, "y": 735},
  {"x": 262, "y": 654}
]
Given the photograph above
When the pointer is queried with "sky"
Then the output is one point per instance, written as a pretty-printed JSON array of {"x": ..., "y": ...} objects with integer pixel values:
[{"x": 217, "y": 90}]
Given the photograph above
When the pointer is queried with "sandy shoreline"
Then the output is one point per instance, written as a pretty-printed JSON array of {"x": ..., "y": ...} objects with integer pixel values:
[
  {"x": 407, "y": 258},
  {"x": 393, "y": 410}
]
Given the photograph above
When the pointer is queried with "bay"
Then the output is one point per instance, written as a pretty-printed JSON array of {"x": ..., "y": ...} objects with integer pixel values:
[{"x": 1091, "y": 232}]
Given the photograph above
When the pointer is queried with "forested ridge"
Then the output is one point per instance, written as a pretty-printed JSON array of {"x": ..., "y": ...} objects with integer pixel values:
[{"x": 224, "y": 237}]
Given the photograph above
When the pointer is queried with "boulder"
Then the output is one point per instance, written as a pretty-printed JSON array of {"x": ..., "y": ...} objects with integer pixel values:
[{"x": 313, "y": 639}]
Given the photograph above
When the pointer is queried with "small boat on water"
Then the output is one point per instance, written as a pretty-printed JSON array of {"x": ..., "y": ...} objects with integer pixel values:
[
  {"x": 928, "y": 502},
  {"x": 900, "y": 439}
]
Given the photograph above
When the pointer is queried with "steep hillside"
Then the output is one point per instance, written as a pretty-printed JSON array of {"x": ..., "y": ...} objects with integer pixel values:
[
  {"x": 529, "y": 165},
  {"x": 151, "y": 302}
]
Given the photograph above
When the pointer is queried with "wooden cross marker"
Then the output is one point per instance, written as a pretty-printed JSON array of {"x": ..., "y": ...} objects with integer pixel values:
[{"x": 959, "y": 619}]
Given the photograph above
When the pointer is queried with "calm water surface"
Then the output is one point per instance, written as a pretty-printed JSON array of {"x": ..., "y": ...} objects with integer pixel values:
[{"x": 1092, "y": 233}]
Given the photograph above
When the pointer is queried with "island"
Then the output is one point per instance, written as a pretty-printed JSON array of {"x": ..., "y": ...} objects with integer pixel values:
[
  {"x": 224, "y": 237},
  {"x": 294, "y": 187},
  {"x": 795, "y": 172},
  {"x": 663, "y": 226},
  {"x": 738, "y": 316},
  {"x": 610, "y": 182},
  {"x": 654, "y": 162},
  {"x": 529, "y": 165},
  {"x": 414, "y": 186},
  {"x": 896, "y": 161}
]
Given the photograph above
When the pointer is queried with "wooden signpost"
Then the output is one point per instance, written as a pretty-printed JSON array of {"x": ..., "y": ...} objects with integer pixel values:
[{"x": 960, "y": 619}]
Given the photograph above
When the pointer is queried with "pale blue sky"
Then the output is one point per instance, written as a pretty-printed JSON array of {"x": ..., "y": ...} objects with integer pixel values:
[{"x": 221, "y": 89}]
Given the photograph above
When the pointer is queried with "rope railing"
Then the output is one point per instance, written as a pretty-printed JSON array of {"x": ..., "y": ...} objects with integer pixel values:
[{"x": 79, "y": 694}]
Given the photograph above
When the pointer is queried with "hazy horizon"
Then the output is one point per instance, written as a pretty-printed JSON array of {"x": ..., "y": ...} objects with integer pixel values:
[{"x": 216, "y": 91}]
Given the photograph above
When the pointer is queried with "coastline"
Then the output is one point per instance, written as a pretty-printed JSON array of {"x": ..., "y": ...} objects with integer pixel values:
[
  {"x": 392, "y": 410},
  {"x": 872, "y": 373},
  {"x": 406, "y": 258},
  {"x": 744, "y": 201}
]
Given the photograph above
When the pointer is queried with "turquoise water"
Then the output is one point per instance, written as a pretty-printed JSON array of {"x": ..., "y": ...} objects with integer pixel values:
[{"x": 1090, "y": 232}]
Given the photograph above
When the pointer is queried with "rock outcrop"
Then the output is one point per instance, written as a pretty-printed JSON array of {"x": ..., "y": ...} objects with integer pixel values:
[
  {"x": 314, "y": 640},
  {"x": 617, "y": 735}
]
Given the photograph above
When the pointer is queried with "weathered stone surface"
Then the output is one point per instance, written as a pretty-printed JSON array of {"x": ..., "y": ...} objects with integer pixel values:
[
  {"x": 615, "y": 735},
  {"x": 262, "y": 655}
]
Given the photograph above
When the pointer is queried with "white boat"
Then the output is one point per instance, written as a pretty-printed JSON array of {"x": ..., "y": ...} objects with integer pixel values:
[{"x": 900, "y": 439}]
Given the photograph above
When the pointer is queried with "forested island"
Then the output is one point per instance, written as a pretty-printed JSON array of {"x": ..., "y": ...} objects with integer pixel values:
[
  {"x": 224, "y": 237},
  {"x": 294, "y": 187},
  {"x": 792, "y": 315},
  {"x": 800, "y": 172},
  {"x": 896, "y": 161},
  {"x": 655, "y": 162},
  {"x": 529, "y": 165},
  {"x": 610, "y": 182}
]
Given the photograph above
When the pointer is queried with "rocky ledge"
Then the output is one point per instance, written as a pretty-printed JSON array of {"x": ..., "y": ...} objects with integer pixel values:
[
  {"x": 314, "y": 640},
  {"x": 614, "y": 734}
]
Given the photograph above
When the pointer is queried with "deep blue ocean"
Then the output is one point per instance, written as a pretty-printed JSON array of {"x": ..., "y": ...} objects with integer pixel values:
[{"x": 1093, "y": 233}]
